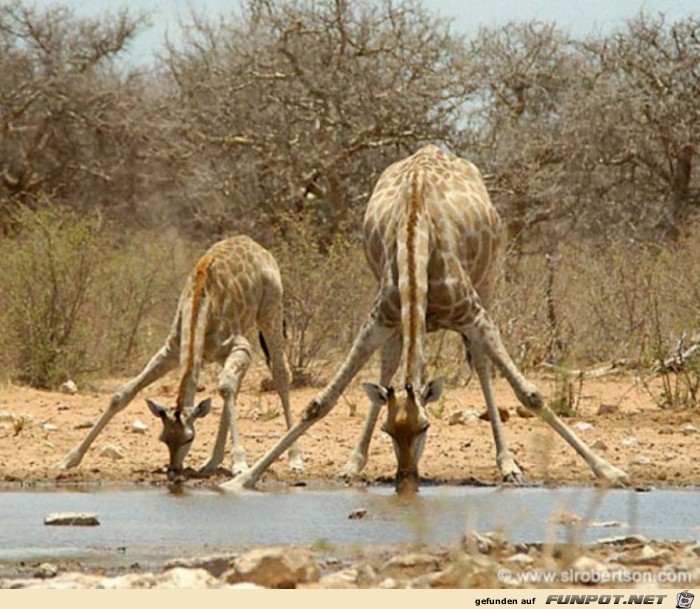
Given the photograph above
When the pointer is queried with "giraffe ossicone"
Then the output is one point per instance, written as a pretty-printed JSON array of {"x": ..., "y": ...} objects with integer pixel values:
[
  {"x": 234, "y": 287},
  {"x": 432, "y": 237}
]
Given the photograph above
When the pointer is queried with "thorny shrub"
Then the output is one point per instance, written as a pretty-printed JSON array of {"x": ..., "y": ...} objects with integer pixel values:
[{"x": 78, "y": 300}]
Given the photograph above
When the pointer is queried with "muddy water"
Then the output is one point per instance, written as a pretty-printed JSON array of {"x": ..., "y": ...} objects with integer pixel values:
[{"x": 138, "y": 524}]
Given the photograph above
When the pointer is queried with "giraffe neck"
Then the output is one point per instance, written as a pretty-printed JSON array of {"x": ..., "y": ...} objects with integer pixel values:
[
  {"x": 412, "y": 258},
  {"x": 193, "y": 333}
]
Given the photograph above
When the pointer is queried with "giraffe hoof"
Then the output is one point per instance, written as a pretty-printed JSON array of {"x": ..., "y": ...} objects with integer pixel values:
[
  {"x": 297, "y": 467},
  {"x": 514, "y": 478},
  {"x": 238, "y": 484},
  {"x": 209, "y": 468},
  {"x": 352, "y": 469},
  {"x": 239, "y": 468},
  {"x": 296, "y": 461},
  {"x": 69, "y": 461},
  {"x": 612, "y": 475}
]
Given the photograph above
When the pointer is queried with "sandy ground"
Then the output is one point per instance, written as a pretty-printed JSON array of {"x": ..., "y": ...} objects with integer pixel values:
[{"x": 655, "y": 446}]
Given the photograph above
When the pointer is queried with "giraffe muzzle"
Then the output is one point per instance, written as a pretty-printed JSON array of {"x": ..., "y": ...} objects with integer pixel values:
[{"x": 407, "y": 481}]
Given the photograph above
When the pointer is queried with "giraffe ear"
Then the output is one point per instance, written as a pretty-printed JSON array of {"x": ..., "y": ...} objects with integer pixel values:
[
  {"x": 377, "y": 393},
  {"x": 158, "y": 411},
  {"x": 201, "y": 410},
  {"x": 433, "y": 391}
]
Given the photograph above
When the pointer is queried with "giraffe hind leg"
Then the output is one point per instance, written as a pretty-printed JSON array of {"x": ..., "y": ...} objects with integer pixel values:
[
  {"x": 510, "y": 470},
  {"x": 272, "y": 335},
  {"x": 230, "y": 379}
]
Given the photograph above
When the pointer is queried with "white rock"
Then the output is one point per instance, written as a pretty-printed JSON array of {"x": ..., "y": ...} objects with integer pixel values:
[
  {"x": 521, "y": 559},
  {"x": 388, "y": 583},
  {"x": 81, "y": 519},
  {"x": 69, "y": 387},
  {"x": 622, "y": 540},
  {"x": 215, "y": 564},
  {"x": 642, "y": 460},
  {"x": 690, "y": 429},
  {"x": 583, "y": 426},
  {"x": 49, "y": 427},
  {"x": 629, "y": 442},
  {"x": 112, "y": 452},
  {"x": 608, "y": 524},
  {"x": 244, "y": 586},
  {"x": 46, "y": 570},
  {"x": 460, "y": 417},
  {"x": 186, "y": 578},
  {"x": 347, "y": 578},
  {"x": 588, "y": 566},
  {"x": 411, "y": 564},
  {"x": 139, "y": 426}
]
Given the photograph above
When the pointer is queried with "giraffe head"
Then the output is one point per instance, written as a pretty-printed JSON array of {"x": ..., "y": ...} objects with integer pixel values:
[
  {"x": 407, "y": 424},
  {"x": 178, "y": 431}
]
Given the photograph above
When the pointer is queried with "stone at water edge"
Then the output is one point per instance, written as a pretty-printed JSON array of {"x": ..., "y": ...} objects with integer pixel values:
[
  {"x": 357, "y": 514},
  {"x": 76, "y": 519},
  {"x": 274, "y": 568},
  {"x": 460, "y": 417}
]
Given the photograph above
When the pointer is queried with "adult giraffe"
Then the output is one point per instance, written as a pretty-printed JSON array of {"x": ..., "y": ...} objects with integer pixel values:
[{"x": 431, "y": 239}]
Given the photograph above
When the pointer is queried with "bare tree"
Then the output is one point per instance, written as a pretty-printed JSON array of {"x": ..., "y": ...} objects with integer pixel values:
[
  {"x": 294, "y": 107},
  {"x": 65, "y": 129}
]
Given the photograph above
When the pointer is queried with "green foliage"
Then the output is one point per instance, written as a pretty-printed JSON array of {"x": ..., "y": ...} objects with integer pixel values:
[
  {"x": 76, "y": 302},
  {"x": 48, "y": 274}
]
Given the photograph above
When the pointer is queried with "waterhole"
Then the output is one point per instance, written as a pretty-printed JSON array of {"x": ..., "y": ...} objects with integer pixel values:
[{"x": 141, "y": 523}]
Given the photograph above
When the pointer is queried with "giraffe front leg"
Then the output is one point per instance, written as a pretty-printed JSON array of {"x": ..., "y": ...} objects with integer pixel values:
[
  {"x": 488, "y": 337},
  {"x": 217, "y": 455},
  {"x": 391, "y": 357},
  {"x": 230, "y": 379},
  {"x": 161, "y": 363}
]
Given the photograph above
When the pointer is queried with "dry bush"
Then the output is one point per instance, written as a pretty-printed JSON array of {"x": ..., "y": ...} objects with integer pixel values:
[
  {"x": 625, "y": 300},
  {"x": 75, "y": 301},
  {"x": 328, "y": 294}
]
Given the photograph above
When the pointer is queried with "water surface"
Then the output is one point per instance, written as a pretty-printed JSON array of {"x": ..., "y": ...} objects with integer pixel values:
[{"x": 138, "y": 522}]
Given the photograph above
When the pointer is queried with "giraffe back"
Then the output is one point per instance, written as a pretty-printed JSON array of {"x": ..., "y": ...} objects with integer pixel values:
[
  {"x": 230, "y": 286},
  {"x": 463, "y": 232}
]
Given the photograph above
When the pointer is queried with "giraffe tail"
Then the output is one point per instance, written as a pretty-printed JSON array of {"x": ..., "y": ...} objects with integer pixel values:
[
  {"x": 412, "y": 250},
  {"x": 193, "y": 330}
]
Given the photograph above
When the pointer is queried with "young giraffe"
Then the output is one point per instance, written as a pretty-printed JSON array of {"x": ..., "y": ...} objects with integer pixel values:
[
  {"x": 234, "y": 286},
  {"x": 431, "y": 238}
]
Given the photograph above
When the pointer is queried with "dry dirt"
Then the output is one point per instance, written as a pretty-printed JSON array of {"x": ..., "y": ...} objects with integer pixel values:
[{"x": 648, "y": 442}]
